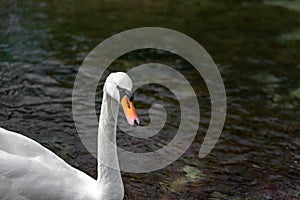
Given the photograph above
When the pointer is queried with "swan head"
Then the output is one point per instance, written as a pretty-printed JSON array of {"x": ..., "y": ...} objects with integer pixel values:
[{"x": 118, "y": 86}]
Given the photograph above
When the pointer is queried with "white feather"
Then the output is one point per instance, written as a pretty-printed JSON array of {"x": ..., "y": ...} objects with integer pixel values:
[{"x": 29, "y": 171}]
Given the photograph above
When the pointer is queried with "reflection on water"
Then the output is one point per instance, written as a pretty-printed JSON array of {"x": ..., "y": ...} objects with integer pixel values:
[{"x": 43, "y": 43}]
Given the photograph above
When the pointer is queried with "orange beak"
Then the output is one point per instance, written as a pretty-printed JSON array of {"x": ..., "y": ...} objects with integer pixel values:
[{"x": 129, "y": 111}]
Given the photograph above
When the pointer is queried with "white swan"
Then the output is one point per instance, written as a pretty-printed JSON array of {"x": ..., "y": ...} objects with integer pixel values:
[{"x": 29, "y": 171}]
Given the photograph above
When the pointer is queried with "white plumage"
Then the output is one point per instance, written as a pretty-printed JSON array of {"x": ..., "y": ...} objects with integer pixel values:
[{"x": 29, "y": 171}]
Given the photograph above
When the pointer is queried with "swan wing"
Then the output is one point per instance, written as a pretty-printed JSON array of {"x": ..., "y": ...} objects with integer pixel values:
[
  {"x": 28, "y": 171},
  {"x": 19, "y": 145}
]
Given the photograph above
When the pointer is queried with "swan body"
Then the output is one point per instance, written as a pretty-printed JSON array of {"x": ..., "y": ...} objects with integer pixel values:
[{"x": 29, "y": 171}]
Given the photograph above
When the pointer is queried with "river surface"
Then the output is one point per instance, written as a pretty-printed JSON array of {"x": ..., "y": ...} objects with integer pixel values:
[{"x": 255, "y": 45}]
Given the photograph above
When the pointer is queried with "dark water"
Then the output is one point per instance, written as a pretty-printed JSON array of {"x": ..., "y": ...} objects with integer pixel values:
[{"x": 255, "y": 44}]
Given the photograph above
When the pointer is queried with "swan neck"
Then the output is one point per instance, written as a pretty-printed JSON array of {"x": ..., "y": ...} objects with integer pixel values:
[{"x": 108, "y": 164}]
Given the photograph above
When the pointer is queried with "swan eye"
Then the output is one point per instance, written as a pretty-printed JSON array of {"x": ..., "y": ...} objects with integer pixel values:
[{"x": 131, "y": 98}]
